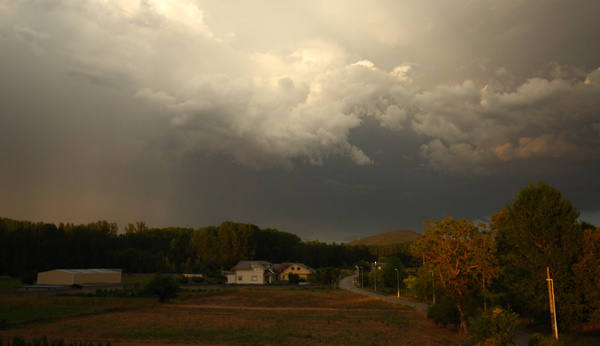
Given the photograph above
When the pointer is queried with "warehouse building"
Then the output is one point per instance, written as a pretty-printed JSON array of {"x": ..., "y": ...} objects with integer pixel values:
[{"x": 68, "y": 277}]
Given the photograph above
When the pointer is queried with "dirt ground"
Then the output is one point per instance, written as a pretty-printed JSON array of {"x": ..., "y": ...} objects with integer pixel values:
[{"x": 253, "y": 315}]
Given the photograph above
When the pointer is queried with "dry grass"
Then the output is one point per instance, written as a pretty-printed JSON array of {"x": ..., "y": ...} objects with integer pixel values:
[
  {"x": 24, "y": 309},
  {"x": 248, "y": 315},
  {"x": 282, "y": 296}
]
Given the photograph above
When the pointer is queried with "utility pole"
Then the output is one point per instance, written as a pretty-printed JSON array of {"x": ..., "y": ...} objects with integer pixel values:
[{"x": 552, "y": 302}]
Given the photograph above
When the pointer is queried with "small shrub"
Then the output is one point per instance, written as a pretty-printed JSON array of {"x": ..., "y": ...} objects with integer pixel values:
[
  {"x": 444, "y": 312},
  {"x": 494, "y": 327},
  {"x": 164, "y": 286},
  {"x": 293, "y": 279}
]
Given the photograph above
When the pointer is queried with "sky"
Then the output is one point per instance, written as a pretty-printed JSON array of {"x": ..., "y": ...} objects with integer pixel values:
[{"x": 333, "y": 120}]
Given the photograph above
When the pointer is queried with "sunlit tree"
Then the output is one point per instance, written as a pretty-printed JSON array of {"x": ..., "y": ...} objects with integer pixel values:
[{"x": 462, "y": 257}]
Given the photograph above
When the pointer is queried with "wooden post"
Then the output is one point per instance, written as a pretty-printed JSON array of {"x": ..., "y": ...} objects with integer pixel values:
[{"x": 552, "y": 303}]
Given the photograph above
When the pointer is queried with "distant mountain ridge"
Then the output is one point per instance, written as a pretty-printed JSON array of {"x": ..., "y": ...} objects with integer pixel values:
[{"x": 393, "y": 237}]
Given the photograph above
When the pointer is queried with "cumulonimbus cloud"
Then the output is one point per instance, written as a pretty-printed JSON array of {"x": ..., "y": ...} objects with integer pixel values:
[{"x": 270, "y": 106}]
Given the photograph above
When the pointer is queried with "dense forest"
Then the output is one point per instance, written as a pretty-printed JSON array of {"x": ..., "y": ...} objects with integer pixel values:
[{"x": 27, "y": 247}]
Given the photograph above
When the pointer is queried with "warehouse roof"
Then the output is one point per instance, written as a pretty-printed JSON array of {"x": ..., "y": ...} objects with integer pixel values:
[{"x": 89, "y": 271}]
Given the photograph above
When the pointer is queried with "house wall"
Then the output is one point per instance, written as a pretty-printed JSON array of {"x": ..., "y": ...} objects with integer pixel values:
[
  {"x": 302, "y": 273},
  {"x": 256, "y": 276},
  {"x": 55, "y": 277},
  {"x": 231, "y": 278}
]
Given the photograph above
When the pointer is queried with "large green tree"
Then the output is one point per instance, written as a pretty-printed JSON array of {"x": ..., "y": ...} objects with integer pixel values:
[
  {"x": 587, "y": 274},
  {"x": 539, "y": 229}
]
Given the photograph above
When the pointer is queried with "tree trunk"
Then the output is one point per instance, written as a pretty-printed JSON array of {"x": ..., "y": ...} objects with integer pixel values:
[{"x": 463, "y": 321}]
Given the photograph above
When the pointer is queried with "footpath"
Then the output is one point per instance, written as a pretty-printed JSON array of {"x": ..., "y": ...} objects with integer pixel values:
[{"x": 347, "y": 284}]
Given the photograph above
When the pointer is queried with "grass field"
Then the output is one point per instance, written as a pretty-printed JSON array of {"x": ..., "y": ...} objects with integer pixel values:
[
  {"x": 239, "y": 315},
  {"x": 26, "y": 309}
]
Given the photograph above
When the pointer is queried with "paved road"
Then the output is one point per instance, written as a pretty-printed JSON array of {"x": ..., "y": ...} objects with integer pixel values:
[
  {"x": 521, "y": 338},
  {"x": 346, "y": 284}
]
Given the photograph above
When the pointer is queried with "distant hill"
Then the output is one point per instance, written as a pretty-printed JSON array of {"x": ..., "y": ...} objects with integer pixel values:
[{"x": 393, "y": 237}]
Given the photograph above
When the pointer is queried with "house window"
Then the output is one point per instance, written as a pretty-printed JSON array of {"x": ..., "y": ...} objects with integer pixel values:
[
  {"x": 240, "y": 278},
  {"x": 254, "y": 278}
]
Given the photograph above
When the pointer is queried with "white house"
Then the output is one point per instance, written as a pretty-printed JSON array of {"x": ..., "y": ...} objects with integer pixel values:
[{"x": 251, "y": 272}]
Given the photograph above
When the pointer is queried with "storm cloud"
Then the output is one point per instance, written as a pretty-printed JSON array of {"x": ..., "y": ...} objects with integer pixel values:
[{"x": 163, "y": 110}]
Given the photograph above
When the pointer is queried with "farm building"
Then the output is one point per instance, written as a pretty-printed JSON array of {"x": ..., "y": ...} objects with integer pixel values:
[
  {"x": 69, "y": 277},
  {"x": 251, "y": 272},
  {"x": 285, "y": 271}
]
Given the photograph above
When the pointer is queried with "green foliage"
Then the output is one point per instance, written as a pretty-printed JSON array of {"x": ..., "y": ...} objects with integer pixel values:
[
  {"x": 329, "y": 276},
  {"x": 375, "y": 278},
  {"x": 164, "y": 286},
  {"x": 423, "y": 285},
  {"x": 390, "y": 278},
  {"x": 538, "y": 229},
  {"x": 410, "y": 283},
  {"x": 27, "y": 247},
  {"x": 399, "y": 250},
  {"x": 443, "y": 312},
  {"x": 494, "y": 327},
  {"x": 587, "y": 275}
]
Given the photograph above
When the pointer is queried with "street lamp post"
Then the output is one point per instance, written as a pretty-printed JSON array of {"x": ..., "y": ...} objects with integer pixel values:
[
  {"x": 358, "y": 276},
  {"x": 397, "y": 282}
]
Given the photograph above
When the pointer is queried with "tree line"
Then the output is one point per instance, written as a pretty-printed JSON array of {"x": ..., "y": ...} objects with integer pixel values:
[
  {"x": 475, "y": 267},
  {"x": 28, "y": 247}
]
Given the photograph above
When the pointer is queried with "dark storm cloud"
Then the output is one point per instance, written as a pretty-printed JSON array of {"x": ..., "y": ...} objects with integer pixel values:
[{"x": 330, "y": 123}]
